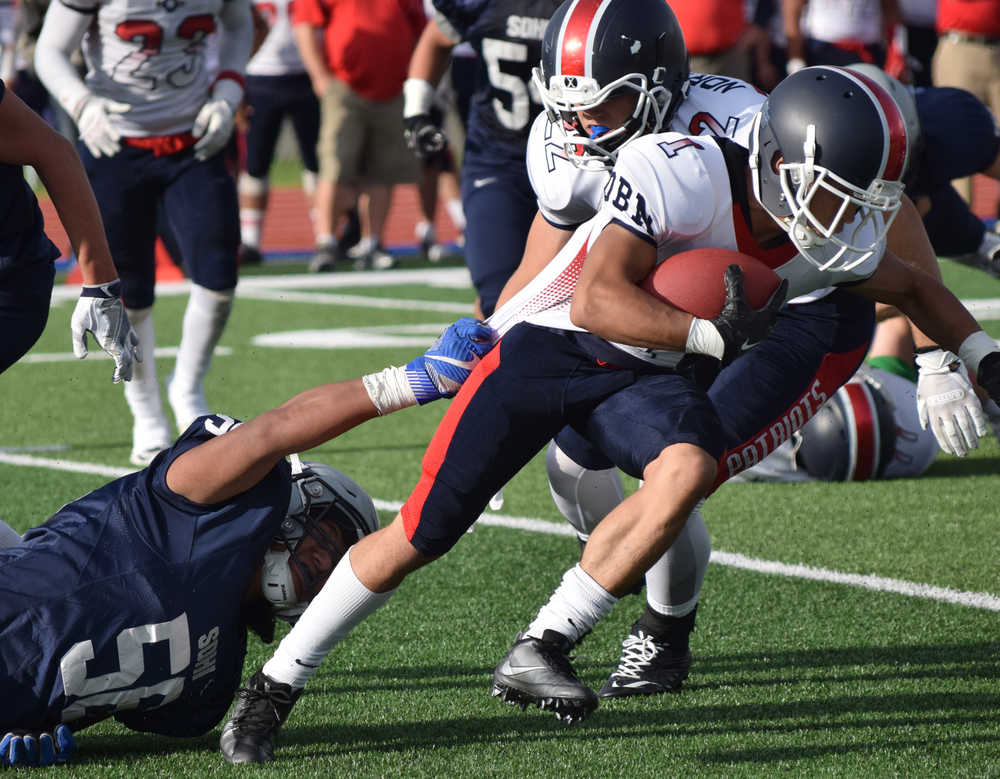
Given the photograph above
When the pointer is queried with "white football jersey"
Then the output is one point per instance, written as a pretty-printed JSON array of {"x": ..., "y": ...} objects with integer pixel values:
[
  {"x": 568, "y": 196},
  {"x": 675, "y": 191},
  {"x": 842, "y": 20},
  {"x": 277, "y": 55},
  {"x": 151, "y": 54}
]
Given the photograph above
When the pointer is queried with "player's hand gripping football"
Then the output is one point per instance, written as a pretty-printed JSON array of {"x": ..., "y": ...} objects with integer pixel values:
[
  {"x": 99, "y": 311},
  {"x": 31, "y": 748},
  {"x": 947, "y": 402},
  {"x": 424, "y": 138},
  {"x": 741, "y": 325},
  {"x": 441, "y": 370}
]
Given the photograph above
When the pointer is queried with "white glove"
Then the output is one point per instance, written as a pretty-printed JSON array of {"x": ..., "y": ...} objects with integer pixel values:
[
  {"x": 99, "y": 310},
  {"x": 214, "y": 123},
  {"x": 93, "y": 121},
  {"x": 946, "y": 400}
]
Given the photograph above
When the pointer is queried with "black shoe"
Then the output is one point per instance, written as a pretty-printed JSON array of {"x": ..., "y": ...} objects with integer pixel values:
[
  {"x": 538, "y": 671},
  {"x": 248, "y": 255},
  {"x": 649, "y": 665},
  {"x": 326, "y": 258},
  {"x": 262, "y": 707}
]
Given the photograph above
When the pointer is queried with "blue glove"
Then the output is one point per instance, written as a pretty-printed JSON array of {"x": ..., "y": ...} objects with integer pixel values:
[
  {"x": 37, "y": 749},
  {"x": 440, "y": 371}
]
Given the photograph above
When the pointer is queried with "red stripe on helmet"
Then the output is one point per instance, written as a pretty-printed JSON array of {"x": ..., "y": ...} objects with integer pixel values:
[
  {"x": 895, "y": 162},
  {"x": 863, "y": 411},
  {"x": 576, "y": 29}
]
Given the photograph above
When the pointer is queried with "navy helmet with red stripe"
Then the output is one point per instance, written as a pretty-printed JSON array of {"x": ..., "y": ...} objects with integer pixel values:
[
  {"x": 830, "y": 129},
  {"x": 853, "y": 435},
  {"x": 594, "y": 50}
]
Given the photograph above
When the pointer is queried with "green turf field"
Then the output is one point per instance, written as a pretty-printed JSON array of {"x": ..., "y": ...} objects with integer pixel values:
[{"x": 894, "y": 672}]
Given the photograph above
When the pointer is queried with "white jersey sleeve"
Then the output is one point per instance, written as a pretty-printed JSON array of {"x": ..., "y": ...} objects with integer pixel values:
[
  {"x": 719, "y": 106},
  {"x": 277, "y": 55},
  {"x": 567, "y": 196}
]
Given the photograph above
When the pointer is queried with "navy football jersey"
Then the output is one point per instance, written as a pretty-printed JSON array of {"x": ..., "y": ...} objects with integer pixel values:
[
  {"x": 22, "y": 230},
  {"x": 127, "y": 602},
  {"x": 507, "y": 36}
]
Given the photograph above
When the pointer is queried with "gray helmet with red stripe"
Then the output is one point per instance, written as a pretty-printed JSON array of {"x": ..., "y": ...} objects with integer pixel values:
[
  {"x": 853, "y": 435},
  {"x": 594, "y": 50},
  {"x": 837, "y": 131}
]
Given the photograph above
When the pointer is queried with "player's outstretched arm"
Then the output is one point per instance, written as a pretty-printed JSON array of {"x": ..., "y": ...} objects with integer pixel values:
[
  {"x": 25, "y": 139},
  {"x": 232, "y": 463}
]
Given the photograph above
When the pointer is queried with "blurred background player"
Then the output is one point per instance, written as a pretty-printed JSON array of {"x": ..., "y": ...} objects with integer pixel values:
[
  {"x": 218, "y": 535},
  {"x": 356, "y": 53},
  {"x": 153, "y": 122},
  {"x": 497, "y": 198},
  {"x": 838, "y": 32},
  {"x": 956, "y": 136},
  {"x": 869, "y": 430},
  {"x": 277, "y": 86},
  {"x": 27, "y": 256},
  {"x": 968, "y": 54}
]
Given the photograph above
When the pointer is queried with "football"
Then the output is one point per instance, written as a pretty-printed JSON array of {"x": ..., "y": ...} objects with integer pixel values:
[{"x": 693, "y": 281}]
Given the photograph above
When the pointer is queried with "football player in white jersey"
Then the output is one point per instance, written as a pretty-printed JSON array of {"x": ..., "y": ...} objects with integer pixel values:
[
  {"x": 277, "y": 86},
  {"x": 569, "y": 171},
  {"x": 153, "y": 118},
  {"x": 594, "y": 350}
]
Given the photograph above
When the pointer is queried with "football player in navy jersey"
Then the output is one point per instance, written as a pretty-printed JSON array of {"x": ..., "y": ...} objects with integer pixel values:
[
  {"x": 497, "y": 198},
  {"x": 27, "y": 255},
  {"x": 134, "y": 600}
]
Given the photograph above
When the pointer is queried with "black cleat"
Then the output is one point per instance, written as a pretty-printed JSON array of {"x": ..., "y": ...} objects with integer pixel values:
[
  {"x": 537, "y": 671},
  {"x": 262, "y": 707},
  {"x": 648, "y": 666},
  {"x": 248, "y": 255}
]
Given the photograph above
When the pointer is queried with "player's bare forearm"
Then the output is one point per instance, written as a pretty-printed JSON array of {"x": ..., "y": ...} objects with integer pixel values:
[
  {"x": 25, "y": 139},
  {"x": 431, "y": 55},
  {"x": 609, "y": 302},
  {"x": 232, "y": 463}
]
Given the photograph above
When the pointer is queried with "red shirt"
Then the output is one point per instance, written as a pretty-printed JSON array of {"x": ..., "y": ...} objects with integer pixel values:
[
  {"x": 368, "y": 42},
  {"x": 975, "y": 17},
  {"x": 710, "y": 26}
]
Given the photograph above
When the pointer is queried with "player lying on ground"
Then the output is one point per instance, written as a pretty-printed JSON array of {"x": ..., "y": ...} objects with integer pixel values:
[
  {"x": 218, "y": 534},
  {"x": 624, "y": 368}
]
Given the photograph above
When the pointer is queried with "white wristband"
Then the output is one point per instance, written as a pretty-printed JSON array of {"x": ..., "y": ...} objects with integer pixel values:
[
  {"x": 389, "y": 390},
  {"x": 794, "y": 65},
  {"x": 704, "y": 338},
  {"x": 974, "y": 348},
  {"x": 418, "y": 97}
]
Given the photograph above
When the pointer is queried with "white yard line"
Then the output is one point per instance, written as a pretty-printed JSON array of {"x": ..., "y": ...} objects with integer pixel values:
[{"x": 976, "y": 600}]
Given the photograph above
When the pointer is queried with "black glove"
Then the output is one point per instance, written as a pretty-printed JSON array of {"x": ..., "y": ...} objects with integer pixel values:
[
  {"x": 741, "y": 325},
  {"x": 989, "y": 375},
  {"x": 424, "y": 138}
]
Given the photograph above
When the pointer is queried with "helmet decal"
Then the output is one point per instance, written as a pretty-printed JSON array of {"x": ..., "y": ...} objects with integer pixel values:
[{"x": 576, "y": 38}]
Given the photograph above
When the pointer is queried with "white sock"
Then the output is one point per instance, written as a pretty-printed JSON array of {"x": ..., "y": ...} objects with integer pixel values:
[
  {"x": 456, "y": 213},
  {"x": 204, "y": 320},
  {"x": 673, "y": 583},
  {"x": 143, "y": 392},
  {"x": 325, "y": 239},
  {"x": 574, "y": 607},
  {"x": 251, "y": 220},
  {"x": 8, "y": 536},
  {"x": 341, "y": 604}
]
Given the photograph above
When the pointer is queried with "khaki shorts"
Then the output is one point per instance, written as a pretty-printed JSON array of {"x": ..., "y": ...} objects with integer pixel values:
[{"x": 361, "y": 141}]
